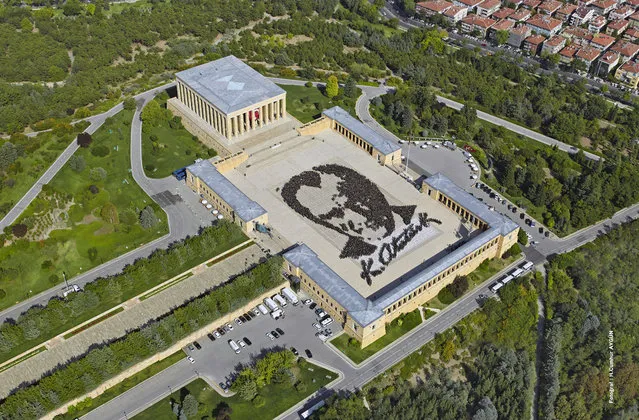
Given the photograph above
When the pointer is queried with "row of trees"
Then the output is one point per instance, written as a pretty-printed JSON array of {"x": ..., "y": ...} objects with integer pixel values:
[
  {"x": 100, "y": 363},
  {"x": 40, "y": 323},
  {"x": 482, "y": 368},
  {"x": 274, "y": 367},
  {"x": 590, "y": 307}
]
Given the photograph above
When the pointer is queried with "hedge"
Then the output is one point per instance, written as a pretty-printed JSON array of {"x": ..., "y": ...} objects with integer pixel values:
[
  {"x": 40, "y": 323},
  {"x": 86, "y": 372}
]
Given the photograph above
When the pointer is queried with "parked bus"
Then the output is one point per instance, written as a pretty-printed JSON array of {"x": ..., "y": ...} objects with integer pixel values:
[
  {"x": 234, "y": 346},
  {"x": 506, "y": 279},
  {"x": 270, "y": 303},
  {"x": 306, "y": 414},
  {"x": 518, "y": 272},
  {"x": 280, "y": 300},
  {"x": 290, "y": 295},
  {"x": 527, "y": 265},
  {"x": 495, "y": 286}
]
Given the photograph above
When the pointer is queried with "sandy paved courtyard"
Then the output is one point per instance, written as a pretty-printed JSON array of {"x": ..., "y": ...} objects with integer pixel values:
[{"x": 362, "y": 219}]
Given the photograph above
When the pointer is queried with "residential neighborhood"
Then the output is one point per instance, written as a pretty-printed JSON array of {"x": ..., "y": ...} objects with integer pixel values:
[{"x": 596, "y": 37}]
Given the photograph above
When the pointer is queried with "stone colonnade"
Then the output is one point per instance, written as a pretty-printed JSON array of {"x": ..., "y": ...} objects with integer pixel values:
[{"x": 236, "y": 123}]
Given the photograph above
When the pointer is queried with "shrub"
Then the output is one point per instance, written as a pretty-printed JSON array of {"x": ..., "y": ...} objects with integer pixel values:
[
  {"x": 514, "y": 250},
  {"x": 19, "y": 230},
  {"x": 54, "y": 279},
  {"x": 97, "y": 174},
  {"x": 147, "y": 218},
  {"x": 129, "y": 104},
  {"x": 445, "y": 296},
  {"x": 84, "y": 139},
  {"x": 3, "y": 294},
  {"x": 100, "y": 150},
  {"x": 300, "y": 386},
  {"x": 308, "y": 84},
  {"x": 77, "y": 163},
  {"x": 259, "y": 401},
  {"x": 94, "y": 189},
  {"x": 46, "y": 264},
  {"x": 149, "y": 167},
  {"x": 459, "y": 286}
]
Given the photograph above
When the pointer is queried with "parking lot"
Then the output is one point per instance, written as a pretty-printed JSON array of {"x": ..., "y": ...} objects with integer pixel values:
[
  {"x": 430, "y": 160},
  {"x": 216, "y": 361}
]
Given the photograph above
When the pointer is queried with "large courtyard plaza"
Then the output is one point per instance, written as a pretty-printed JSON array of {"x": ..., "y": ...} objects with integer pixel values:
[{"x": 268, "y": 169}]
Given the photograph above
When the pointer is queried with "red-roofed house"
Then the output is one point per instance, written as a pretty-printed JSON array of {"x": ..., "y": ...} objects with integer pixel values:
[
  {"x": 568, "y": 53},
  {"x": 472, "y": 23},
  {"x": 621, "y": 13},
  {"x": 631, "y": 34},
  {"x": 581, "y": 15},
  {"x": 588, "y": 55},
  {"x": 520, "y": 15},
  {"x": 533, "y": 43},
  {"x": 565, "y": 11},
  {"x": 603, "y": 7},
  {"x": 627, "y": 50},
  {"x": 456, "y": 13},
  {"x": 517, "y": 35},
  {"x": 634, "y": 20},
  {"x": 629, "y": 74},
  {"x": 503, "y": 13},
  {"x": 549, "y": 7},
  {"x": 429, "y": 8},
  {"x": 606, "y": 63},
  {"x": 544, "y": 25},
  {"x": 577, "y": 35},
  {"x": 488, "y": 7},
  {"x": 470, "y": 4},
  {"x": 597, "y": 24},
  {"x": 531, "y": 4},
  {"x": 502, "y": 25},
  {"x": 602, "y": 41},
  {"x": 553, "y": 45},
  {"x": 617, "y": 27}
]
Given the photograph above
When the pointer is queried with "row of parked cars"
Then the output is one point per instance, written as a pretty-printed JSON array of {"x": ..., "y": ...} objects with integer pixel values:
[{"x": 323, "y": 321}]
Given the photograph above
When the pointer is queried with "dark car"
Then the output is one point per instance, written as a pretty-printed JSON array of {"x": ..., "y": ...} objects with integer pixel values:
[
  {"x": 522, "y": 216},
  {"x": 211, "y": 337},
  {"x": 224, "y": 387},
  {"x": 249, "y": 316},
  {"x": 242, "y": 318},
  {"x": 514, "y": 209},
  {"x": 247, "y": 341},
  {"x": 312, "y": 305},
  {"x": 276, "y": 335},
  {"x": 308, "y": 353},
  {"x": 295, "y": 352},
  {"x": 221, "y": 331},
  {"x": 197, "y": 345},
  {"x": 279, "y": 331},
  {"x": 546, "y": 234},
  {"x": 541, "y": 229}
]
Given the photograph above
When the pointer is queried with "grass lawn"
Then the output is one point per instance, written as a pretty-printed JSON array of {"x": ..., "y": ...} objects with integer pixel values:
[
  {"x": 89, "y": 404},
  {"x": 393, "y": 332},
  {"x": 175, "y": 149},
  {"x": 279, "y": 397},
  {"x": 65, "y": 220},
  {"x": 307, "y": 103},
  {"x": 39, "y": 153}
]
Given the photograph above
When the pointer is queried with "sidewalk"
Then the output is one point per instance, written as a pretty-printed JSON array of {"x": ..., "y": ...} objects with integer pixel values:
[{"x": 137, "y": 315}]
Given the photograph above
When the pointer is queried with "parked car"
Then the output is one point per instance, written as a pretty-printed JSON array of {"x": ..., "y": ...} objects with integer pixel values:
[
  {"x": 256, "y": 312},
  {"x": 313, "y": 305},
  {"x": 247, "y": 341},
  {"x": 275, "y": 334},
  {"x": 295, "y": 352},
  {"x": 238, "y": 321},
  {"x": 307, "y": 301},
  {"x": 271, "y": 336},
  {"x": 230, "y": 327},
  {"x": 317, "y": 326},
  {"x": 211, "y": 336},
  {"x": 224, "y": 387},
  {"x": 241, "y": 343},
  {"x": 220, "y": 332},
  {"x": 190, "y": 359},
  {"x": 279, "y": 331},
  {"x": 308, "y": 353},
  {"x": 190, "y": 347},
  {"x": 197, "y": 345},
  {"x": 546, "y": 234}
]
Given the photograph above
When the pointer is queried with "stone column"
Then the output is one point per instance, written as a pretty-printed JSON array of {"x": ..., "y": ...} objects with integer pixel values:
[
  {"x": 284, "y": 107},
  {"x": 277, "y": 110},
  {"x": 240, "y": 121},
  {"x": 262, "y": 119}
]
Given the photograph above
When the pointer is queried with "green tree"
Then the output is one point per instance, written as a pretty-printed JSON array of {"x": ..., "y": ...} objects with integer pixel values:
[
  {"x": 97, "y": 174},
  {"x": 148, "y": 218},
  {"x": 522, "y": 238},
  {"x": 190, "y": 405},
  {"x": 26, "y": 25},
  {"x": 109, "y": 213},
  {"x": 502, "y": 37},
  {"x": 350, "y": 88},
  {"x": 332, "y": 87},
  {"x": 72, "y": 8},
  {"x": 153, "y": 114},
  {"x": 129, "y": 104},
  {"x": 77, "y": 163},
  {"x": 8, "y": 155},
  {"x": 93, "y": 253}
]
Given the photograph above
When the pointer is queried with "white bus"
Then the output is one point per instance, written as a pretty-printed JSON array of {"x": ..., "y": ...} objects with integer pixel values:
[
  {"x": 270, "y": 303},
  {"x": 306, "y": 414},
  {"x": 279, "y": 299},
  {"x": 506, "y": 279},
  {"x": 234, "y": 346},
  {"x": 527, "y": 265},
  {"x": 518, "y": 272},
  {"x": 326, "y": 321},
  {"x": 495, "y": 286},
  {"x": 290, "y": 295}
]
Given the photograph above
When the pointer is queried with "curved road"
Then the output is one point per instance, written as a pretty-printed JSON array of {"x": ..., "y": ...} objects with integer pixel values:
[{"x": 183, "y": 217}]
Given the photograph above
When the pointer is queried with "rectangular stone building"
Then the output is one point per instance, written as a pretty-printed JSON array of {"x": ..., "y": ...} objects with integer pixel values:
[{"x": 230, "y": 96}]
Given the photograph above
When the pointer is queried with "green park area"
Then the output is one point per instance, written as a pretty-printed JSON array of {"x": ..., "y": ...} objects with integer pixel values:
[
  {"x": 397, "y": 328},
  {"x": 88, "y": 404},
  {"x": 91, "y": 212},
  {"x": 286, "y": 387},
  {"x": 24, "y": 159},
  {"x": 306, "y": 103},
  {"x": 166, "y": 145}
]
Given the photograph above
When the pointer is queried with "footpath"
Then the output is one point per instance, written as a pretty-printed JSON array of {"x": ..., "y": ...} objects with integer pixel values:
[{"x": 136, "y": 313}]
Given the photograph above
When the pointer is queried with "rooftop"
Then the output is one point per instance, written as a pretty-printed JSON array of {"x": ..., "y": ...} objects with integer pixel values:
[
  {"x": 470, "y": 3},
  {"x": 229, "y": 84},
  {"x": 544, "y": 22},
  {"x": 588, "y": 54},
  {"x": 380, "y": 143},
  {"x": 625, "y": 48},
  {"x": 503, "y": 13},
  {"x": 609, "y": 58},
  {"x": 602, "y": 39},
  {"x": 618, "y": 24},
  {"x": 244, "y": 207},
  {"x": 521, "y": 14},
  {"x": 503, "y": 25},
  {"x": 535, "y": 39},
  {"x": 453, "y": 10},
  {"x": 436, "y": 5},
  {"x": 475, "y": 20},
  {"x": 631, "y": 67},
  {"x": 555, "y": 41},
  {"x": 489, "y": 4},
  {"x": 550, "y": 6}
]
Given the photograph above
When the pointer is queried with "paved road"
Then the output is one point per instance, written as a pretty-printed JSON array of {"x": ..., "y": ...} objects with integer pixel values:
[
  {"x": 185, "y": 214},
  {"x": 213, "y": 358}
]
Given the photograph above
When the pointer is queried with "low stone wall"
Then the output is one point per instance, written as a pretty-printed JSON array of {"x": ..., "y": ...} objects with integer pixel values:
[
  {"x": 197, "y": 127},
  {"x": 159, "y": 356},
  {"x": 315, "y": 126},
  {"x": 230, "y": 162}
]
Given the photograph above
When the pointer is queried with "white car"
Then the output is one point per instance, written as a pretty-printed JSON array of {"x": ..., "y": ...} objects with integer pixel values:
[
  {"x": 423, "y": 146},
  {"x": 436, "y": 146},
  {"x": 241, "y": 343},
  {"x": 190, "y": 359},
  {"x": 473, "y": 176},
  {"x": 257, "y": 312},
  {"x": 71, "y": 289},
  {"x": 307, "y": 301},
  {"x": 238, "y": 321},
  {"x": 317, "y": 326},
  {"x": 402, "y": 142},
  {"x": 229, "y": 326},
  {"x": 269, "y": 335}
]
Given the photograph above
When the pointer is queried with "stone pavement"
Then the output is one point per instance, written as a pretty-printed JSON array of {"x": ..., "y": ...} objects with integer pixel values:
[{"x": 135, "y": 316}]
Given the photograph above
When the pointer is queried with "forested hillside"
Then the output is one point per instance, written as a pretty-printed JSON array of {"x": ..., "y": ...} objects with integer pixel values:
[{"x": 593, "y": 314}]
